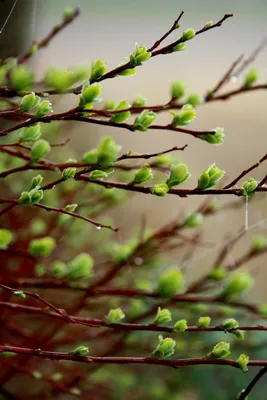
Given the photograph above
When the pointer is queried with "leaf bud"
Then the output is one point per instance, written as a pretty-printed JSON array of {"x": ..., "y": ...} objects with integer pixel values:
[
  {"x": 42, "y": 247},
  {"x": 163, "y": 316},
  {"x": 165, "y": 348},
  {"x": 114, "y": 316},
  {"x": 179, "y": 173}
]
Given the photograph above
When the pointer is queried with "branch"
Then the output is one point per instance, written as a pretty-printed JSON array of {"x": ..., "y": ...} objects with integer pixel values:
[
  {"x": 254, "y": 381},
  {"x": 53, "y": 355},
  {"x": 46, "y": 40}
]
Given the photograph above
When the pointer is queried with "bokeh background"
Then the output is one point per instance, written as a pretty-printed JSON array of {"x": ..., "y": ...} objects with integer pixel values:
[{"x": 109, "y": 29}]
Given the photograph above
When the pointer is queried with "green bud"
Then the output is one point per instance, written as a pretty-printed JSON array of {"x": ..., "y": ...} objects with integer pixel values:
[
  {"x": 98, "y": 68},
  {"x": 28, "y": 102},
  {"x": 58, "y": 269},
  {"x": 19, "y": 294},
  {"x": 214, "y": 138},
  {"x": 25, "y": 199},
  {"x": 262, "y": 309},
  {"x": 210, "y": 177},
  {"x": 39, "y": 150},
  {"x": 36, "y": 182},
  {"x": 30, "y": 133},
  {"x": 20, "y": 78},
  {"x": 161, "y": 189},
  {"x": 70, "y": 207},
  {"x": 214, "y": 205},
  {"x": 193, "y": 220},
  {"x": 179, "y": 173},
  {"x": 37, "y": 374},
  {"x": 162, "y": 316},
  {"x": 107, "y": 151},
  {"x": 250, "y": 78},
  {"x": 89, "y": 94},
  {"x": 242, "y": 362},
  {"x": 229, "y": 323},
  {"x": 80, "y": 267},
  {"x": 56, "y": 377},
  {"x": 188, "y": 34},
  {"x": 68, "y": 173},
  {"x": 184, "y": 117},
  {"x": 97, "y": 174},
  {"x": 177, "y": 90},
  {"x": 76, "y": 391},
  {"x": 249, "y": 187},
  {"x": 68, "y": 13},
  {"x": 80, "y": 351},
  {"x": 114, "y": 316},
  {"x": 36, "y": 195},
  {"x": 140, "y": 101},
  {"x": 179, "y": 47},
  {"x": 39, "y": 270},
  {"x": 237, "y": 283},
  {"x": 42, "y": 247},
  {"x": 203, "y": 322},
  {"x": 139, "y": 56},
  {"x": 163, "y": 160},
  {"x": 90, "y": 157},
  {"x": 194, "y": 99},
  {"x": 144, "y": 174},
  {"x": 239, "y": 334},
  {"x": 180, "y": 326},
  {"x": 170, "y": 282},
  {"x": 221, "y": 350},
  {"x": 259, "y": 243},
  {"x": 44, "y": 108},
  {"x": 122, "y": 116},
  {"x": 5, "y": 238},
  {"x": 208, "y": 25},
  {"x": 59, "y": 79},
  {"x": 165, "y": 348},
  {"x": 144, "y": 120},
  {"x": 218, "y": 273}
]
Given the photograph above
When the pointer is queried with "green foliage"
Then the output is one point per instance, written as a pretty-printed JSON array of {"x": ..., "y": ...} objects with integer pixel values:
[
  {"x": 178, "y": 174},
  {"x": 144, "y": 174},
  {"x": 180, "y": 326},
  {"x": 144, "y": 120},
  {"x": 42, "y": 247},
  {"x": 98, "y": 68},
  {"x": 193, "y": 220},
  {"x": 5, "y": 238},
  {"x": 249, "y": 187},
  {"x": 80, "y": 267},
  {"x": 258, "y": 243},
  {"x": 184, "y": 117},
  {"x": 237, "y": 283},
  {"x": 177, "y": 90},
  {"x": 39, "y": 149},
  {"x": 242, "y": 362},
  {"x": 165, "y": 348},
  {"x": 250, "y": 78},
  {"x": 163, "y": 316},
  {"x": 210, "y": 177},
  {"x": 203, "y": 322},
  {"x": 80, "y": 351},
  {"x": 20, "y": 78},
  {"x": 170, "y": 282},
  {"x": 114, "y": 316},
  {"x": 214, "y": 138},
  {"x": 120, "y": 116},
  {"x": 220, "y": 350}
]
